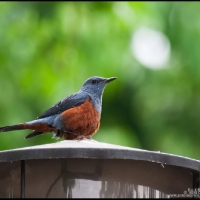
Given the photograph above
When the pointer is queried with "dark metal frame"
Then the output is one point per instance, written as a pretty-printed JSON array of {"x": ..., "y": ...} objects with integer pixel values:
[
  {"x": 98, "y": 153},
  {"x": 30, "y": 153}
]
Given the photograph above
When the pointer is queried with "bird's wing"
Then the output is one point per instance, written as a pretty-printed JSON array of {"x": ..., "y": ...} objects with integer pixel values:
[{"x": 65, "y": 104}]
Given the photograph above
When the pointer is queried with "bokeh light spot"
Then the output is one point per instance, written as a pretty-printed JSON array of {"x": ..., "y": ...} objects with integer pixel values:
[{"x": 151, "y": 48}]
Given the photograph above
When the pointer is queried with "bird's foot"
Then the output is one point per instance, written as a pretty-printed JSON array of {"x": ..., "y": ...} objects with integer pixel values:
[{"x": 81, "y": 137}]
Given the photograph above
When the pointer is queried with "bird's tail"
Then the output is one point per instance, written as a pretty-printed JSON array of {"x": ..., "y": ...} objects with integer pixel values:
[
  {"x": 37, "y": 127},
  {"x": 13, "y": 127}
]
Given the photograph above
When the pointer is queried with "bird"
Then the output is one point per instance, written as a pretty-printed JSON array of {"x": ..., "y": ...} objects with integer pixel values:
[{"x": 76, "y": 116}]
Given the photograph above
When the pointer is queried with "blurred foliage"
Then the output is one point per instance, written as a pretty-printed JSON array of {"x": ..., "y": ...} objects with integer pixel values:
[{"x": 48, "y": 49}]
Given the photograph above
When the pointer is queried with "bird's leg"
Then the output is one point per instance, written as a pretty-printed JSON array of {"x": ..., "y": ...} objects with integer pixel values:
[
  {"x": 71, "y": 133},
  {"x": 80, "y": 137}
]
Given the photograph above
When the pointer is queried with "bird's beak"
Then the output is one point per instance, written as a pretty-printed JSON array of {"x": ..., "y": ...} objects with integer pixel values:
[{"x": 110, "y": 79}]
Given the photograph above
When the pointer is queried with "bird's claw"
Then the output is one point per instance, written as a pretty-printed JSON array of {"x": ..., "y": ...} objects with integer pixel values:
[{"x": 81, "y": 137}]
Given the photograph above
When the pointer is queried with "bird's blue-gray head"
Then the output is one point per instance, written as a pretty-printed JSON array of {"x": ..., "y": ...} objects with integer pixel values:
[{"x": 95, "y": 86}]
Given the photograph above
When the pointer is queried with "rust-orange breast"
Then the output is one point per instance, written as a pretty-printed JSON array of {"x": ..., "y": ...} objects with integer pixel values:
[{"x": 83, "y": 119}]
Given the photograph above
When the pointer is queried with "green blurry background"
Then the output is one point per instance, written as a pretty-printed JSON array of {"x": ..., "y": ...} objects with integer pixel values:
[{"x": 47, "y": 51}]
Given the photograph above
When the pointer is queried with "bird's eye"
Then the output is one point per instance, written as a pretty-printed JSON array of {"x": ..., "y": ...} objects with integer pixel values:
[{"x": 94, "y": 81}]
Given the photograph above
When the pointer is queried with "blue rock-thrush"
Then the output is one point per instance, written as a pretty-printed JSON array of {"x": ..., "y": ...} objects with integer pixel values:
[{"x": 75, "y": 117}]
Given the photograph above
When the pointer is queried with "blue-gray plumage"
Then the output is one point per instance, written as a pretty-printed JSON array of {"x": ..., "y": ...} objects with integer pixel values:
[{"x": 74, "y": 117}]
